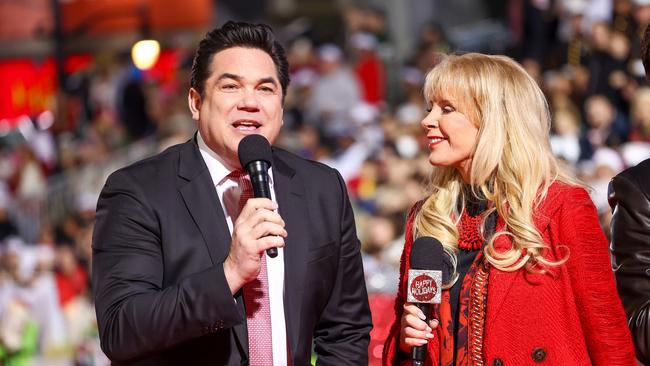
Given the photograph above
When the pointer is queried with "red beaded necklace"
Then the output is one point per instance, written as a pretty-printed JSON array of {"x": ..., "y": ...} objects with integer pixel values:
[{"x": 469, "y": 232}]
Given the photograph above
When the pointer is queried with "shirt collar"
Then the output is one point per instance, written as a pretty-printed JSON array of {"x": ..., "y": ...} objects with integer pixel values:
[{"x": 218, "y": 170}]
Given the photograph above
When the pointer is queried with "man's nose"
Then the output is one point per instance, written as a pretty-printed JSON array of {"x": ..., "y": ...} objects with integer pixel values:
[{"x": 249, "y": 100}]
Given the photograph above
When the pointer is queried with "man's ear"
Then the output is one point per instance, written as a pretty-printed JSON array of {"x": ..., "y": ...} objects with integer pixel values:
[{"x": 194, "y": 101}]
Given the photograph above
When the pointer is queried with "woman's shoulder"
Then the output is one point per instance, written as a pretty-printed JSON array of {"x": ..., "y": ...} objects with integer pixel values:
[
  {"x": 413, "y": 211},
  {"x": 416, "y": 207},
  {"x": 560, "y": 190},
  {"x": 560, "y": 194}
]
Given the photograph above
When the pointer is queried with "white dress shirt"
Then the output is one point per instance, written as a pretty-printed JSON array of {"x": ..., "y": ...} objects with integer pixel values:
[{"x": 229, "y": 191}]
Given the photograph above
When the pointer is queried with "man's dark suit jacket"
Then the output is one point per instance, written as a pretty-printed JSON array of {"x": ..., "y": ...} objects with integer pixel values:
[
  {"x": 629, "y": 197},
  {"x": 159, "y": 243}
]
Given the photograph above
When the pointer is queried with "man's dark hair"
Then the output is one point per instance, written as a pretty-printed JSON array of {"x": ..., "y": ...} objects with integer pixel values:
[
  {"x": 645, "y": 51},
  {"x": 238, "y": 34}
]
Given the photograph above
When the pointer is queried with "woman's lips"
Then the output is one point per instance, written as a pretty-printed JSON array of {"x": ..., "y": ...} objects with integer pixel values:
[{"x": 433, "y": 141}]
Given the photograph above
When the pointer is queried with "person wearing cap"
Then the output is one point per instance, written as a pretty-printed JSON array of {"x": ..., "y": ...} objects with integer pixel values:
[
  {"x": 180, "y": 274},
  {"x": 334, "y": 93},
  {"x": 629, "y": 198},
  {"x": 529, "y": 278}
]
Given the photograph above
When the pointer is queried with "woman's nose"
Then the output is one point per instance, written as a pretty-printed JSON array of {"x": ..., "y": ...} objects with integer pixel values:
[{"x": 429, "y": 121}]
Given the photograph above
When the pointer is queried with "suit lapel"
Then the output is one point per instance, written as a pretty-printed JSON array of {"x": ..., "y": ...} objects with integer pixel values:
[
  {"x": 202, "y": 202},
  {"x": 200, "y": 197},
  {"x": 289, "y": 190}
]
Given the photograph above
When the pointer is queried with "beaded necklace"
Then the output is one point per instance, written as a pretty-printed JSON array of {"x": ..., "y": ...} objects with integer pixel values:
[
  {"x": 469, "y": 226},
  {"x": 469, "y": 232}
]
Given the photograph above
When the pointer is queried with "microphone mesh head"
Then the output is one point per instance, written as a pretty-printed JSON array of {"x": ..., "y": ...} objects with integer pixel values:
[
  {"x": 252, "y": 148},
  {"x": 426, "y": 254}
]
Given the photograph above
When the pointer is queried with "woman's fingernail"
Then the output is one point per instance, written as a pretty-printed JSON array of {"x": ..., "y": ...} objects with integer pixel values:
[
  {"x": 429, "y": 335},
  {"x": 422, "y": 341}
]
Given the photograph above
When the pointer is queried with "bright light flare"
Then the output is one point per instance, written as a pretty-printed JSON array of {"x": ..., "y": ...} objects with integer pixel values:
[{"x": 145, "y": 53}]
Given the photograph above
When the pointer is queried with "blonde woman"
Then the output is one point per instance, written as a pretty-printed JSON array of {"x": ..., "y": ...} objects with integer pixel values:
[{"x": 532, "y": 281}]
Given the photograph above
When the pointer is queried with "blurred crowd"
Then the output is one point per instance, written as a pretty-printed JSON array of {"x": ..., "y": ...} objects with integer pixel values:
[{"x": 351, "y": 104}]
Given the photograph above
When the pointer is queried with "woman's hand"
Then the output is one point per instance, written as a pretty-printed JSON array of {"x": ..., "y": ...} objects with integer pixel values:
[{"x": 414, "y": 330}]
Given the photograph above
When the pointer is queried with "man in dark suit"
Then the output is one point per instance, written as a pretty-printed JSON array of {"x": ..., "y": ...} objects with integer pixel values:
[
  {"x": 174, "y": 250},
  {"x": 629, "y": 197}
]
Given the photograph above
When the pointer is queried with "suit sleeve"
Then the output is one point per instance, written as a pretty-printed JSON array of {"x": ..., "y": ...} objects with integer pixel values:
[
  {"x": 342, "y": 333},
  {"x": 392, "y": 355},
  {"x": 136, "y": 315},
  {"x": 601, "y": 314},
  {"x": 630, "y": 246}
]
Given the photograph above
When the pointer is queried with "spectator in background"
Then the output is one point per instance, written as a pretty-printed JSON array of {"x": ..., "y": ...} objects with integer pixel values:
[
  {"x": 369, "y": 68},
  {"x": 629, "y": 197},
  {"x": 622, "y": 18},
  {"x": 29, "y": 282},
  {"x": 619, "y": 48},
  {"x": 606, "y": 125},
  {"x": 28, "y": 182},
  {"x": 432, "y": 43},
  {"x": 572, "y": 47},
  {"x": 7, "y": 226},
  {"x": 599, "y": 171},
  {"x": 640, "y": 115},
  {"x": 381, "y": 279},
  {"x": 508, "y": 216},
  {"x": 411, "y": 110},
  {"x": 641, "y": 14},
  {"x": 71, "y": 277},
  {"x": 133, "y": 105},
  {"x": 432, "y": 36},
  {"x": 334, "y": 94},
  {"x": 18, "y": 330},
  {"x": 602, "y": 64},
  {"x": 565, "y": 137}
]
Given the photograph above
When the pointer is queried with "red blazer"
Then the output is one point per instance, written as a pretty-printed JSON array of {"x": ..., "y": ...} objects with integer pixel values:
[{"x": 569, "y": 316}]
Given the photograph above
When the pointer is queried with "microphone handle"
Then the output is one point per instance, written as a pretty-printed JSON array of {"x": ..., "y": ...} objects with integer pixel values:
[
  {"x": 258, "y": 171},
  {"x": 419, "y": 353}
]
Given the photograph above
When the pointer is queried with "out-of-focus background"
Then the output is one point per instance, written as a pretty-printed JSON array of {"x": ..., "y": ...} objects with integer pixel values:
[{"x": 74, "y": 107}]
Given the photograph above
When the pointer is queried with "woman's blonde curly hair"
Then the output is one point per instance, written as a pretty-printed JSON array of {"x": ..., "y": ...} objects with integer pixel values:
[{"x": 512, "y": 163}]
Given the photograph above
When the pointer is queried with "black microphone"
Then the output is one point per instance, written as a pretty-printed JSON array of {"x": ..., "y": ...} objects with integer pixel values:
[
  {"x": 424, "y": 283},
  {"x": 255, "y": 156}
]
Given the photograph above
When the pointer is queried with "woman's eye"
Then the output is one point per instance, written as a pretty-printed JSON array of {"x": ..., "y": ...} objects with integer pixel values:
[{"x": 448, "y": 109}]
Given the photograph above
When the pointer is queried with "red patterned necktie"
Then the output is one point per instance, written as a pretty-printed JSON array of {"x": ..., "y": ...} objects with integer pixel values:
[{"x": 256, "y": 296}]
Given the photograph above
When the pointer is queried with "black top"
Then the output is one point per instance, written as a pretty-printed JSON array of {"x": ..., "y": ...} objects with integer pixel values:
[{"x": 474, "y": 207}]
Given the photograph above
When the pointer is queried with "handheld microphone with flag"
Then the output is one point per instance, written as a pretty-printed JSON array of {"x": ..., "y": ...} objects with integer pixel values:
[
  {"x": 255, "y": 156},
  {"x": 424, "y": 283}
]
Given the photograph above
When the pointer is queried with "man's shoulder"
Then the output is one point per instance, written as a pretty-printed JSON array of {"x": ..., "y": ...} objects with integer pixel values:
[
  {"x": 301, "y": 164},
  {"x": 639, "y": 173},
  {"x": 162, "y": 163},
  {"x": 633, "y": 178}
]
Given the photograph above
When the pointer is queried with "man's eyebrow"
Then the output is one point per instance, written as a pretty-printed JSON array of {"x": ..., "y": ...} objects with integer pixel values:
[
  {"x": 268, "y": 80},
  {"x": 264, "y": 80},
  {"x": 228, "y": 75}
]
